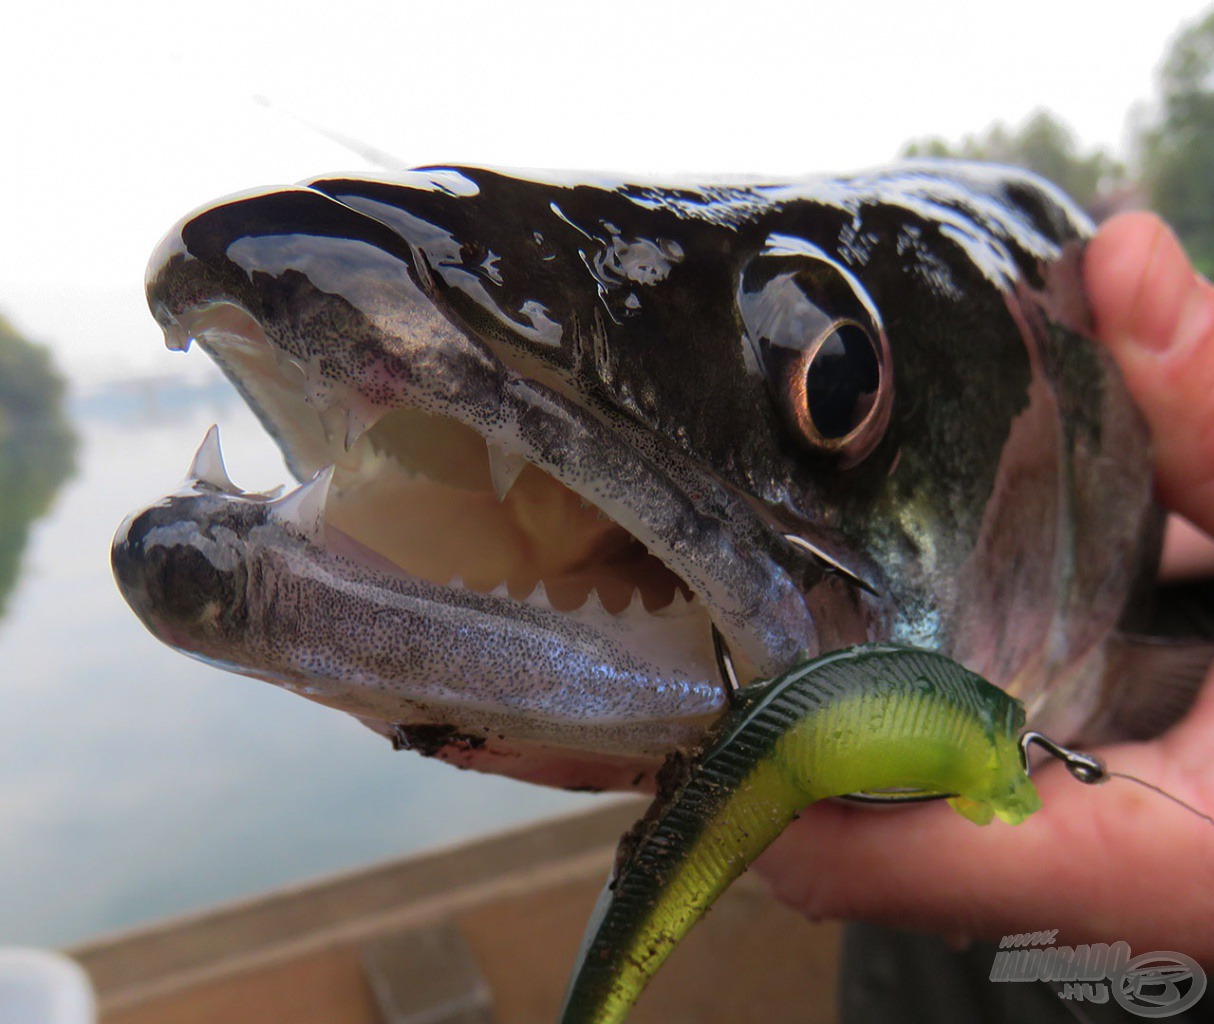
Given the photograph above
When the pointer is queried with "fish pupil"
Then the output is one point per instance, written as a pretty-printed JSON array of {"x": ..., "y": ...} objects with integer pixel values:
[{"x": 842, "y": 381}]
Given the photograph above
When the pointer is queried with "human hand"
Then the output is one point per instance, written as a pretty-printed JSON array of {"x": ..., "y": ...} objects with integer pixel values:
[{"x": 1099, "y": 863}]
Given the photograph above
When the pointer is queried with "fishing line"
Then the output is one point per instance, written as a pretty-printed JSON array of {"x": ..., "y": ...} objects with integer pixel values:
[
  {"x": 1091, "y": 770},
  {"x": 1163, "y": 792}
]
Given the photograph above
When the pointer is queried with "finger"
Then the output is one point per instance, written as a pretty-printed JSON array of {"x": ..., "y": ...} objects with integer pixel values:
[
  {"x": 916, "y": 867},
  {"x": 1087, "y": 864},
  {"x": 1156, "y": 315}
]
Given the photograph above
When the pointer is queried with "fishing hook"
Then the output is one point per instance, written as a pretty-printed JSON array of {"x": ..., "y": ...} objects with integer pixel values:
[
  {"x": 729, "y": 674},
  {"x": 829, "y": 563},
  {"x": 1087, "y": 768}
]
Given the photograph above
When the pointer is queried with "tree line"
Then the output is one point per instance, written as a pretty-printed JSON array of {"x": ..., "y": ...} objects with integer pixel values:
[
  {"x": 37, "y": 445},
  {"x": 1170, "y": 168}
]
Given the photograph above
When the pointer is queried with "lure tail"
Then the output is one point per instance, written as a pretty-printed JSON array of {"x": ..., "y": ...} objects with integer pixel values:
[
  {"x": 870, "y": 718},
  {"x": 670, "y": 871}
]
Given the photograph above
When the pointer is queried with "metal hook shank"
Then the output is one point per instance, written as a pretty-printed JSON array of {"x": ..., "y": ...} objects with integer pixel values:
[{"x": 1087, "y": 768}]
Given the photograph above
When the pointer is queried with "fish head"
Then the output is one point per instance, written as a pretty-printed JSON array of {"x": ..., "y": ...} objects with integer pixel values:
[{"x": 588, "y": 448}]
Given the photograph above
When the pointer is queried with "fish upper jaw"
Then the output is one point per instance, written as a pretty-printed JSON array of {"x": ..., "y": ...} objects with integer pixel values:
[{"x": 330, "y": 325}]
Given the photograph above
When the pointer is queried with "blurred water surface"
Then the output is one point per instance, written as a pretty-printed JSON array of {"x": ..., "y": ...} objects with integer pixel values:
[{"x": 136, "y": 783}]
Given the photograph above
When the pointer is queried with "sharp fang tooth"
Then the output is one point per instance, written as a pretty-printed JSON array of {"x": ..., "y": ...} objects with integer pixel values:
[
  {"x": 208, "y": 467},
  {"x": 593, "y": 605},
  {"x": 356, "y": 426},
  {"x": 504, "y": 469},
  {"x": 304, "y": 507}
]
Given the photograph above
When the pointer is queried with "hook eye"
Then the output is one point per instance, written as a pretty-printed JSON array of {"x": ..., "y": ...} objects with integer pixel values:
[{"x": 1087, "y": 768}]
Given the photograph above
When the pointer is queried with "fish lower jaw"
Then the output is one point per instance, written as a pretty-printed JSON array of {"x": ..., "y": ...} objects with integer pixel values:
[
  {"x": 584, "y": 604},
  {"x": 433, "y": 514}
]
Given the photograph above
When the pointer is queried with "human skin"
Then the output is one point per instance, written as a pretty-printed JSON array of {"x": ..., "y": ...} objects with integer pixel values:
[{"x": 1099, "y": 863}]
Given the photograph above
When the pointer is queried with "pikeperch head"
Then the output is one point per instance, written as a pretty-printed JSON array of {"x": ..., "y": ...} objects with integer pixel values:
[{"x": 555, "y": 433}]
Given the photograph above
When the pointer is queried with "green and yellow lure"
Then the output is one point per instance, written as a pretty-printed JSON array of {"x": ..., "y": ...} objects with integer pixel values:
[{"x": 876, "y": 719}]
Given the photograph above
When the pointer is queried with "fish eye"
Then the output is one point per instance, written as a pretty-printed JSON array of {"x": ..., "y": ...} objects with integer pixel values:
[
  {"x": 834, "y": 386},
  {"x": 817, "y": 337}
]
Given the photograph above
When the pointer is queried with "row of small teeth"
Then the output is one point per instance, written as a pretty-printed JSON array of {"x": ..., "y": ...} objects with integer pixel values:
[
  {"x": 592, "y": 608},
  {"x": 302, "y": 510}
]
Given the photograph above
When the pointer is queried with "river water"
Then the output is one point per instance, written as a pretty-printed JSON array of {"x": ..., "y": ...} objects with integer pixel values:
[{"x": 136, "y": 783}]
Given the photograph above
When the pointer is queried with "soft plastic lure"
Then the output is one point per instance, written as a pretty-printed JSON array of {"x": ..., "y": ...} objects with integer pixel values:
[{"x": 877, "y": 719}]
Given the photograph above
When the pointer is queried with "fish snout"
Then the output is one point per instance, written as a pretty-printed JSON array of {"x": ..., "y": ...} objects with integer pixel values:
[
  {"x": 314, "y": 274},
  {"x": 184, "y": 578}
]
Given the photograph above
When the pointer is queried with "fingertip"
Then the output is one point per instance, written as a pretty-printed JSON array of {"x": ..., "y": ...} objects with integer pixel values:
[
  {"x": 1137, "y": 276},
  {"x": 1155, "y": 314},
  {"x": 921, "y": 865},
  {"x": 1117, "y": 254}
]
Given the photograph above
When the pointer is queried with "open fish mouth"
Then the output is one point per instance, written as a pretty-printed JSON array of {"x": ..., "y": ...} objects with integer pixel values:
[
  {"x": 422, "y": 494},
  {"x": 482, "y": 560}
]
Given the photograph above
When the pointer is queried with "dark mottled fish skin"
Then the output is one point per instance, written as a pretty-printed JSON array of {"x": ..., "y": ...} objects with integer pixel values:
[{"x": 627, "y": 339}]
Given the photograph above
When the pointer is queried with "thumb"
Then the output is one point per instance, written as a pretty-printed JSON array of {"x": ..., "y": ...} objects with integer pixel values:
[{"x": 1156, "y": 316}]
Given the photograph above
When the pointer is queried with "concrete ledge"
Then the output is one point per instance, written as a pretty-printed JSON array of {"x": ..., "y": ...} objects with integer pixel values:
[
  {"x": 479, "y": 934},
  {"x": 163, "y": 958}
]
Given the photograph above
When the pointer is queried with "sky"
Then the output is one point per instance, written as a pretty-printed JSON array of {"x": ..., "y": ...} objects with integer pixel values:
[{"x": 117, "y": 119}]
